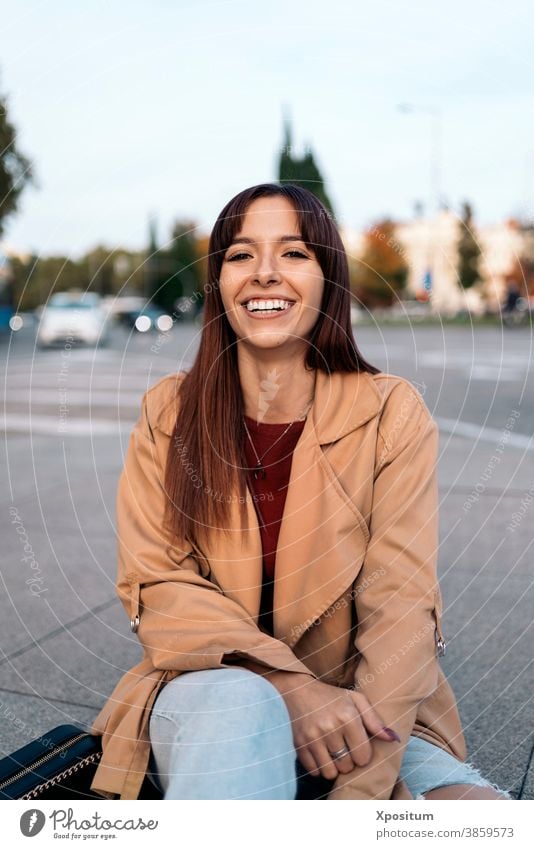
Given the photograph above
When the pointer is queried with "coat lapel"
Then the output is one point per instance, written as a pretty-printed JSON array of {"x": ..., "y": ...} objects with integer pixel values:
[{"x": 323, "y": 537}]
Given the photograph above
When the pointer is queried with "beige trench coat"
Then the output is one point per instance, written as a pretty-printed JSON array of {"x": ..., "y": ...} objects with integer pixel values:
[{"x": 356, "y": 596}]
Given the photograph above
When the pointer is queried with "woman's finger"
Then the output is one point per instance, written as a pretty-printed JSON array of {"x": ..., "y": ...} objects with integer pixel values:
[
  {"x": 323, "y": 758},
  {"x": 371, "y": 718},
  {"x": 345, "y": 763},
  {"x": 307, "y": 760},
  {"x": 358, "y": 742}
]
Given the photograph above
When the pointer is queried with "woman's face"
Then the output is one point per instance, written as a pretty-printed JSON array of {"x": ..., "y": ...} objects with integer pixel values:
[{"x": 269, "y": 266}]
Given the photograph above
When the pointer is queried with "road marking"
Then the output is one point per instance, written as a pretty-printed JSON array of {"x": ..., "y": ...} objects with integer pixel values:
[
  {"x": 467, "y": 430},
  {"x": 72, "y": 396},
  {"x": 98, "y": 381},
  {"x": 77, "y": 426},
  {"x": 56, "y": 426}
]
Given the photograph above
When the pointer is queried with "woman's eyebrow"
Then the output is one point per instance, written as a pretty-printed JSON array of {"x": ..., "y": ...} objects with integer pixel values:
[{"x": 246, "y": 241}]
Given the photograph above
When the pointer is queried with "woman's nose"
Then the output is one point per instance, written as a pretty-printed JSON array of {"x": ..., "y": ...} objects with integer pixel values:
[{"x": 266, "y": 273}]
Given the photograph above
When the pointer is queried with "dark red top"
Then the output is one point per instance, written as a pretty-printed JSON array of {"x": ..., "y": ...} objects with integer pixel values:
[{"x": 270, "y": 494}]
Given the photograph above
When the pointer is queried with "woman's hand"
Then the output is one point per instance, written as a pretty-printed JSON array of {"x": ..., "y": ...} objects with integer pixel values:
[{"x": 325, "y": 719}]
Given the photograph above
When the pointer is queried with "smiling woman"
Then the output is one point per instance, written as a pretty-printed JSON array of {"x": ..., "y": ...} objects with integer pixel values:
[
  {"x": 278, "y": 534},
  {"x": 270, "y": 242},
  {"x": 269, "y": 259}
]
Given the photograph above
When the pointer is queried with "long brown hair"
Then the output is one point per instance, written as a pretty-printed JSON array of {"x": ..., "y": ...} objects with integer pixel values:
[{"x": 206, "y": 465}]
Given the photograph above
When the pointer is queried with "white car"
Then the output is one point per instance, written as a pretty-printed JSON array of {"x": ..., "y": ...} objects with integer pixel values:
[{"x": 73, "y": 317}]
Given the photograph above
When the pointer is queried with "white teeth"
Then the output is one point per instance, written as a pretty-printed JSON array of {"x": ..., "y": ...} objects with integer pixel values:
[{"x": 255, "y": 306}]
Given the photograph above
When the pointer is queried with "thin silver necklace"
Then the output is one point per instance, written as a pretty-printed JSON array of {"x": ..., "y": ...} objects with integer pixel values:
[{"x": 259, "y": 468}]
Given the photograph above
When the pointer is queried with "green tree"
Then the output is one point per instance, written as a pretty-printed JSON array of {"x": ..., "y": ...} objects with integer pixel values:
[
  {"x": 15, "y": 169},
  {"x": 102, "y": 270},
  {"x": 36, "y": 278},
  {"x": 302, "y": 171},
  {"x": 177, "y": 271},
  {"x": 379, "y": 276},
  {"x": 468, "y": 250},
  {"x": 114, "y": 271}
]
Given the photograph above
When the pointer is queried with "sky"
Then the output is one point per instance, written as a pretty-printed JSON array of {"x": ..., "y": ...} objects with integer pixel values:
[{"x": 168, "y": 109}]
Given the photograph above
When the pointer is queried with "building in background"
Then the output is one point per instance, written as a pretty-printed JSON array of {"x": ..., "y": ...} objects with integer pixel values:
[{"x": 430, "y": 251}]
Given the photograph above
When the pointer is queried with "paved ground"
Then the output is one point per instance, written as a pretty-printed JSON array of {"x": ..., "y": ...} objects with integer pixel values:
[{"x": 65, "y": 639}]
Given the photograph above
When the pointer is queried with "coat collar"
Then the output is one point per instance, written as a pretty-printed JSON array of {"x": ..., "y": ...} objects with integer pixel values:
[
  {"x": 323, "y": 537},
  {"x": 343, "y": 401}
]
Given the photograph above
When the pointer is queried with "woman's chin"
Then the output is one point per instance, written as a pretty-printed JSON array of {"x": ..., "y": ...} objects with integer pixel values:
[{"x": 267, "y": 340}]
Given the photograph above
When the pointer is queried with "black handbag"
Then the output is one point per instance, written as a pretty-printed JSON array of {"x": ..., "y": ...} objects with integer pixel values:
[{"x": 58, "y": 765}]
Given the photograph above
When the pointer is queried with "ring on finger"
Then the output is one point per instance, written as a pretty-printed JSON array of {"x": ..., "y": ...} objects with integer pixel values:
[{"x": 340, "y": 753}]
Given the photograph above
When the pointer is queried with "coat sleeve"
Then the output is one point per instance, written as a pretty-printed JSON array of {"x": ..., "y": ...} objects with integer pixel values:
[
  {"x": 183, "y": 621},
  {"x": 396, "y": 611}
]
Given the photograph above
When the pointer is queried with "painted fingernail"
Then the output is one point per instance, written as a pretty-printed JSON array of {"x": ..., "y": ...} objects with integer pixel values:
[{"x": 392, "y": 734}]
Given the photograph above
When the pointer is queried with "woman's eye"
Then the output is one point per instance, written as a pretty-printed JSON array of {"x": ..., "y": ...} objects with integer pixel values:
[
  {"x": 237, "y": 256},
  {"x": 294, "y": 254},
  {"x": 297, "y": 254}
]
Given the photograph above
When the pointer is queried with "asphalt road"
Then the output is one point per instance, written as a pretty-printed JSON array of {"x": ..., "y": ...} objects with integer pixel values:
[{"x": 65, "y": 639}]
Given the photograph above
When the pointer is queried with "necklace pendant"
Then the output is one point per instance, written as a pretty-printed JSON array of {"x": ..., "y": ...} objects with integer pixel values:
[{"x": 259, "y": 470}]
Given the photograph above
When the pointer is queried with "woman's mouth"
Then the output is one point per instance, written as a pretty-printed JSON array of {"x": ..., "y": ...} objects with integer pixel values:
[{"x": 267, "y": 307}]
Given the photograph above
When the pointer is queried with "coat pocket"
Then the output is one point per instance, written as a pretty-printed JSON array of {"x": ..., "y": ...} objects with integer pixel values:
[{"x": 441, "y": 645}]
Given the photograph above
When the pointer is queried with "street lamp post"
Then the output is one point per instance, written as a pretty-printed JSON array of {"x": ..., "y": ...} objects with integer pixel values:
[
  {"x": 435, "y": 149},
  {"x": 435, "y": 154}
]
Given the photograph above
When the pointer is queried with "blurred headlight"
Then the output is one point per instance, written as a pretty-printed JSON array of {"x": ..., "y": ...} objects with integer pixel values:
[
  {"x": 15, "y": 322},
  {"x": 164, "y": 323},
  {"x": 143, "y": 323}
]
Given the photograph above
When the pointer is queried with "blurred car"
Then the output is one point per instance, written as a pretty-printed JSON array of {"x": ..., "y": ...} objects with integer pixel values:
[
  {"x": 147, "y": 318},
  {"x": 118, "y": 305},
  {"x": 72, "y": 317}
]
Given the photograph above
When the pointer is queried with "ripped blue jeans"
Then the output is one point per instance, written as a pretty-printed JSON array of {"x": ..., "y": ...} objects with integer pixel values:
[{"x": 226, "y": 734}]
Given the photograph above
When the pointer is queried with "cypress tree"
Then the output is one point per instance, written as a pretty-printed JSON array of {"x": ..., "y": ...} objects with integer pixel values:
[
  {"x": 468, "y": 250},
  {"x": 301, "y": 171}
]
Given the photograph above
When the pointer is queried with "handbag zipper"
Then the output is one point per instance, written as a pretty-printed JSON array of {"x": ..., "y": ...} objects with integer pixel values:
[{"x": 43, "y": 760}]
